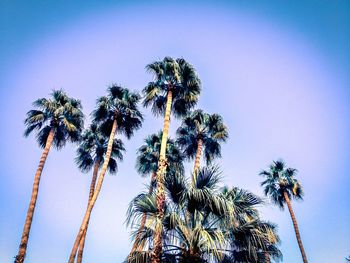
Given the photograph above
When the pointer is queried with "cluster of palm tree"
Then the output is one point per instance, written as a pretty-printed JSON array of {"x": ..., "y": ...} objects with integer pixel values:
[{"x": 178, "y": 218}]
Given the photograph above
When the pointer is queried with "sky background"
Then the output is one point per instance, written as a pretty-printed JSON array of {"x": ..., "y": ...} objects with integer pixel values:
[{"x": 277, "y": 71}]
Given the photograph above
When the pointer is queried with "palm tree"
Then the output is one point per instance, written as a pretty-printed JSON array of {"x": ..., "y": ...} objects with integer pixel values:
[
  {"x": 281, "y": 185},
  {"x": 118, "y": 109},
  {"x": 218, "y": 220},
  {"x": 147, "y": 163},
  {"x": 90, "y": 154},
  {"x": 201, "y": 130},
  {"x": 56, "y": 120},
  {"x": 175, "y": 89}
]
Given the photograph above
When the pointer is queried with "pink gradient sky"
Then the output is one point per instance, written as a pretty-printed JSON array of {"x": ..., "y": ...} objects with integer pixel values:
[{"x": 280, "y": 92}]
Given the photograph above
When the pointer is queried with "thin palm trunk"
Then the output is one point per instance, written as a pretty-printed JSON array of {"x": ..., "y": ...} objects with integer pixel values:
[
  {"x": 143, "y": 220},
  {"x": 92, "y": 202},
  {"x": 26, "y": 230},
  {"x": 91, "y": 193},
  {"x": 194, "y": 177},
  {"x": 296, "y": 228},
  {"x": 160, "y": 195},
  {"x": 267, "y": 257},
  {"x": 197, "y": 160}
]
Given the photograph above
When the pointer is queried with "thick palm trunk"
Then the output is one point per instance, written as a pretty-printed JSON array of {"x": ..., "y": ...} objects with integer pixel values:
[
  {"x": 91, "y": 193},
  {"x": 160, "y": 195},
  {"x": 143, "y": 220},
  {"x": 92, "y": 202},
  {"x": 296, "y": 228},
  {"x": 26, "y": 230}
]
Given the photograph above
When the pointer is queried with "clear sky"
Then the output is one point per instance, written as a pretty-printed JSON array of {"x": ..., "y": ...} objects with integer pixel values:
[{"x": 277, "y": 71}]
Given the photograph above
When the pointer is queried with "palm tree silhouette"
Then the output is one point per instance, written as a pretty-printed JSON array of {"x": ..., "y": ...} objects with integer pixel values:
[
  {"x": 57, "y": 120},
  {"x": 281, "y": 185},
  {"x": 224, "y": 227},
  {"x": 90, "y": 155},
  {"x": 118, "y": 109},
  {"x": 175, "y": 89},
  {"x": 147, "y": 163},
  {"x": 201, "y": 130}
]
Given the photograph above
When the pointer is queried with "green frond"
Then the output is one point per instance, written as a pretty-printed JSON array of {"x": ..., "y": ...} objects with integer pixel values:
[
  {"x": 60, "y": 113},
  {"x": 120, "y": 105},
  {"x": 199, "y": 125},
  {"x": 175, "y": 75},
  {"x": 280, "y": 179}
]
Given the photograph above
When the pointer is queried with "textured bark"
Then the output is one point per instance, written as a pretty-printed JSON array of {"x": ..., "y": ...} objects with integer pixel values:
[
  {"x": 136, "y": 245},
  {"x": 296, "y": 228},
  {"x": 91, "y": 193},
  {"x": 26, "y": 230},
  {"x": 197, "y": 160},
  {"x": 166, "y": 125},
  {"x": 160, "y": 197},
  {"x": 160, "y": 194},
  {"x": 92, "y": 202}
]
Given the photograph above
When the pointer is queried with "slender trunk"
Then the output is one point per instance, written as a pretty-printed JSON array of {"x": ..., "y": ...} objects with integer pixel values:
[
  {"x": 92, "y": 202},
  {"x": 194, "y": 175},
  {"x": 160, "y": 195},
  {"x": 166, "y": 125},
  {"x": 26, "y": 230},
  {"x": 296, "y": 228},
  {"x": 197, "y": 160},
  {"x": 136, "y": 245},
  {"x": 267, "y": 257},
  {"x": 91, "y": 193}
]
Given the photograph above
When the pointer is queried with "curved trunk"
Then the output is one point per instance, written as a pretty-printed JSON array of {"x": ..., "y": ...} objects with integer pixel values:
[
  {"x": 136, "y": 245},
  {"x": 160, "y": 195},
  {"x": 26, "y": 230},
  {"x": 92, "y": 202},
  {"x": 296, "y": 228},
  {"x": 91, "y": 193}
]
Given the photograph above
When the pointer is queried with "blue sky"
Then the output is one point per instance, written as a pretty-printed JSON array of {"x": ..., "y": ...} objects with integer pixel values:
[{"x": 276, "y": 71}]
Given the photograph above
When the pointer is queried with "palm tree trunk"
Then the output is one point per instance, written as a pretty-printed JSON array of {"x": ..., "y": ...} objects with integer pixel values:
[
  {"x": 296, "y": 228},
  {"x": 26, "y": 230},
  {"x": 160, "y": 195},
  {"x": 91, "y": 193},
  {"x": 195, "y": 170},
  {"x": 166, "y": 124},
  {"x": 197, "y": 160},
  {"x": 92, "y": 202},
  {"x": 143, "y": 220}
]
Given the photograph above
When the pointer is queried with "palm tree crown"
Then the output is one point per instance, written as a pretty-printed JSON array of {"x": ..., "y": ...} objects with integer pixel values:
[
  {"x": 148, "y": 155},
  {"x": 209, "y": 128},
  {"x": 61, "y": 114},
  {"x": 280, "y": 179},
  {"x": 175, "y": 75},
  {"x": 120, "y": 105},
  {"x": 93, "y": 148},
  {"x": 221, "y": 226}
]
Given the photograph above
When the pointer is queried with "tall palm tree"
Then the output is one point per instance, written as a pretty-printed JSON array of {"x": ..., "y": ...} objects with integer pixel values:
[
  {"x": 118, "y": 109},
  {"x": 281, "y": 185},
  {"x": 175, "y": 89},
  {"x": 57, "y": 120},
  {"x": 90, "y": 154},
  {"x": 201, "y": 130},
  {"x": 218, "y": 221},
  {"x": 147, "y": 163}
]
